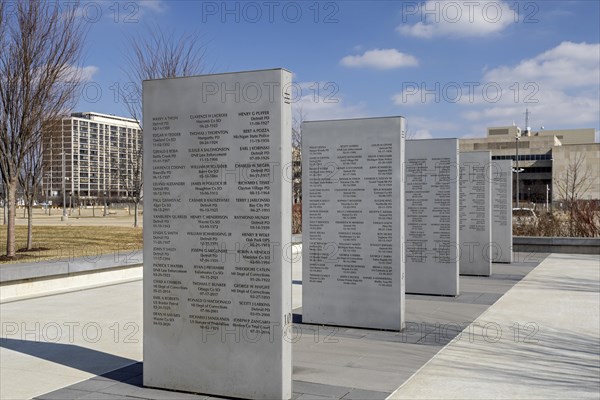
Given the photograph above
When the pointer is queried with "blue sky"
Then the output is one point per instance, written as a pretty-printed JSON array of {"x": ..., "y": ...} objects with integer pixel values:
[{"x": 452, "y": 68}]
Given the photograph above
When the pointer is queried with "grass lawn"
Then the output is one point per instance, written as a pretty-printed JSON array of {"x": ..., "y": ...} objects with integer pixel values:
[{"x": 67, "y": 242}]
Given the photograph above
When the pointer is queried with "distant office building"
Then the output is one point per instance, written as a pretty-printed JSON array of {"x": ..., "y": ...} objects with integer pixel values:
[
  {"x": 91, "y": 157},
  {"x": 544, "y": 156}
]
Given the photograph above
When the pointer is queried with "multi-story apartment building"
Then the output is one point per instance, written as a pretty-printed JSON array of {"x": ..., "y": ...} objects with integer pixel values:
[
  {"x": 91, "y": 157},
  {"x": 544, "y": 156}
]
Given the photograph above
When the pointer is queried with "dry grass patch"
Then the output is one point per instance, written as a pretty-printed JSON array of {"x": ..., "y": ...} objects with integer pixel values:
[{"x": 68, "y": 242}]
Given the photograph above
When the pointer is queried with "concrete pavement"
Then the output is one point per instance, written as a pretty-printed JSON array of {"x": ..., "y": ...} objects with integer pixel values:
[
  {"x": 66, "y": 345},
  {"x": 539, "y": 341},
  {"x": 50, "y": 342}
]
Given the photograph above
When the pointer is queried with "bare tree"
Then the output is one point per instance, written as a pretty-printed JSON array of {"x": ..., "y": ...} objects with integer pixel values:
[
  {"x": 30, "y": 179},
  {"x": 154, "y": 55},
  {"x": 39, "y": 76},
  {"x": 410, "y": 133},
  {"x": 298, "y": 117},
  {"x": 575, "y": 181},
  {"x": 571, "y": 186},
  {"x": 131, "y": 179},
  {"x": 2, "y": 125}
]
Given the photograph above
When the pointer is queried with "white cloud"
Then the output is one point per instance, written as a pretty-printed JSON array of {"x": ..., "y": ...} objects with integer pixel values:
[
  {"x": 86, "y": 73},
  {"x": 560, "y": 87},
  {"x": 318, "y": 109},
  {"x": 427, "y": 128},
  {"x": 568, "y": 65},
  {"x": 321, "y": 100},
  {"x": 432, "y": 124},
  {"x": 421, "y": 134},
  {"x": 419, "y": 127},
  {"x": 158, "y": 6},
  {"x": 459, "y": 19},
  {"x": 380, "y": 59}
]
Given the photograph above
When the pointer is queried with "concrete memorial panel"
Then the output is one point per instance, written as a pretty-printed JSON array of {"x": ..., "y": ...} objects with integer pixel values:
[
  {"x": 502, "y": 237},
  {"x": 353, "y": 271},
  {"x": 217, "y": 291},
  {"x": 475, "y": 213},
  {"x": 431, "y": 220}
]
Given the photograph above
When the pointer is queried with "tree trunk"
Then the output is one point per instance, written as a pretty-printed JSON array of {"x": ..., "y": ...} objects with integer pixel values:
[
  {"x": 11, "y": 189},
  {"x": 135, "y": 215},
  {"x": 30, "y": 225}
]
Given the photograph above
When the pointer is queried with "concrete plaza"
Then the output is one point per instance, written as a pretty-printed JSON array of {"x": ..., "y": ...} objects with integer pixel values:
[{"x": 531, "y": 330}]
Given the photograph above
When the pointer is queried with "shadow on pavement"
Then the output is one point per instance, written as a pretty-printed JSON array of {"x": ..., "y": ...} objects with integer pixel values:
[{"x": 70, "y": 355}]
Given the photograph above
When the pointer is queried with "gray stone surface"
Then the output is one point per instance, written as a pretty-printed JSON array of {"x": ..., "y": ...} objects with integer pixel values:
[
  {"x": 353, "y": 196},
  {"x": 431, "y": 222},
  {"x": 475, "y": 214},
  {"x": 502, "y": 237},
  {"x": 217, "y": 289},
  {"x": 329, "y": 362}
]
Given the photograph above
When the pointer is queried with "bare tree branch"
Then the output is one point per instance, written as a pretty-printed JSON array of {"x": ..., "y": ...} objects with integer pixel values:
[
  {"x": 157, "y": 54},
  {"x": 572, "y": 185},
  {"x": 154, "y": 55},
  {"x": 575, "y": 181},
  {"x": 39, "y": 76},
  {"x": 297, "y": 119}
]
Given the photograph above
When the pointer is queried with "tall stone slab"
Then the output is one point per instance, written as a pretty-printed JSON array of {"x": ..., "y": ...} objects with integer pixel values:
[
  {"x": 475, "y": 213},
  {"x": 352, "y": 222},
  {"x": 502, "y": 236},
  {"x": 431, "y": 185},
  {"x": 217, "y": 291}
]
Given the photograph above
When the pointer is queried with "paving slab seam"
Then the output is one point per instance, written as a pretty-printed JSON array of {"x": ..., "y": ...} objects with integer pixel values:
[
  {"x": 374, "y": 340},
  {"x": 525, "y": 284},
  {"x": 457, "y": 337}
]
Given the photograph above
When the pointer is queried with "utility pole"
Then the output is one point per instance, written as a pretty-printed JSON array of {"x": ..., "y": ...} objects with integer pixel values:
[
  {"x": 65, "y": 216},
  {"x": 105, "y": 211},
  {"x": 517, "y": 137},
  {"x": 45, "y": 194}
]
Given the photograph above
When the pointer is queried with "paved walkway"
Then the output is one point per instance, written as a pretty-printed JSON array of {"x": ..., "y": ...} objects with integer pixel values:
[
  {"x": 543, "y": 341},
  {"x": 87, "y": 344}
]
